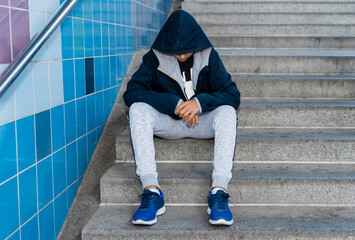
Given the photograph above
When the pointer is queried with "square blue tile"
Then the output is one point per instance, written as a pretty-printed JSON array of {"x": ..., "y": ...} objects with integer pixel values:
[
  {"x": 45, "y": 187},
  {"x": 96, "y": 10},
  {"x": 8, "y": 166},
  {"x": 98, "y": 74},
  {"x": 78, "y": 9},
  {"x": 104, "y": 10},
  {"x": 99, "y": 108},
  {"x": 41, "y": 85},
  {"x": 89, "y": 40},
  {"x": 70, "y": 122},
  {"x": 26, "y": 145},
  {"x": 9, "y": 219},
  {"x": 7, "y": 108},
  {"x": 72, "y": 190},
  {"x": 105, "y": 39},
  {"x": 46, "y": 220},
  {"x": 59, "y": 172},
  {"x": 81, "y": 117},
  {"x": 43, "y": 134},
  {"x": 58, "y": 131},
  {"x": 30, "y": 229},
  {"x": 91, "y": 116},
  {"x": 82, "y": 155},
  {"x": 78, "y": 27},
  {"x": 106, "y": 72},
  {"x": 67, "y": 38},
  {"x": 56, "y": 83},
  {"x": 97, "y": 39},
  {"x": 87, "y": 8},
  {"x": 72, "y": 163},
  {"x": 60, "y": 210},
  {"x": 89, "y": 75},
  {"x": 68, "y": 80},
  {"x": 28, "y": 194},
  {"x": 24, "y": 93},
  {"x": 80, "y": 78},
  {"x": 113, "y": 68},
  {"x": 92, "y": 142}
]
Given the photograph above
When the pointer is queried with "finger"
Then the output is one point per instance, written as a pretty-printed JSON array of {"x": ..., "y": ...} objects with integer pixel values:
[
  {"x": 196, "y": 118},
  {"x": 182, "y": 105}
]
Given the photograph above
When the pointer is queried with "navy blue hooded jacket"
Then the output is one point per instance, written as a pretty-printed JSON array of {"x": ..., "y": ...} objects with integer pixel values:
[{"x": 158, "y": 81}]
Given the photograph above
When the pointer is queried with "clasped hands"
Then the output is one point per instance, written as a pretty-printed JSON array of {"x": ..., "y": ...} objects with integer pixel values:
[{"x": 188, "y": 111}]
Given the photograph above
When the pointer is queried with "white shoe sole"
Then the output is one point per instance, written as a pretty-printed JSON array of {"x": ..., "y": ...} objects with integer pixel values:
[
  {"x": 141, "y": 222},
  {"x": 219, "y": 221}
]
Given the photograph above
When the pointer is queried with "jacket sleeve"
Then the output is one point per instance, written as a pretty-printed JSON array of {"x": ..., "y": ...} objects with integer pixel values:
[
  {"x": 224, "y": 90},
  {"x": 139, "y": 89}
]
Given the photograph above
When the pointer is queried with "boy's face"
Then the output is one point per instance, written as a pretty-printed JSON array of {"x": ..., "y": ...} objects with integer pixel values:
[{"x": 183, "y": 57}]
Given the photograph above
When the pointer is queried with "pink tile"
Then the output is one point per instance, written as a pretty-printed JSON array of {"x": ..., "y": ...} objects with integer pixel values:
[
  {"x": 5, "y": 49},
  {"x": 20, "y": 30},
  {"x": 19, "y": 3},
  {"x": 4, "y": 2}
]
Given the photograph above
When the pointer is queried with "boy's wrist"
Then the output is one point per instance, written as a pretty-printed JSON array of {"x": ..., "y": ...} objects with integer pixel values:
[{"x": 198, "y": 104}]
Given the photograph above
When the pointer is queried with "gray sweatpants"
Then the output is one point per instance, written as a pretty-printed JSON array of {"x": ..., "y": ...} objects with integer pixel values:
[{"x": 220, "y": 124}]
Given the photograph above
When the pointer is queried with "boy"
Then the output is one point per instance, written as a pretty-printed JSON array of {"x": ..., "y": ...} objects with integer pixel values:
[{"x": 182, "y": 90}]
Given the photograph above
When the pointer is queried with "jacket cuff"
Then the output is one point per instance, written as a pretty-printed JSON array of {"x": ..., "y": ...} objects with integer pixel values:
[
  {"x": 179, "y": 102},
  {"x": 198, "y": 104}
]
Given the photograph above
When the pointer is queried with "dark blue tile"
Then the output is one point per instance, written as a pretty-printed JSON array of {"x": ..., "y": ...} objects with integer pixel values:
[
  {"x": 99, "y": 108},
  {"x": 46, "y": 220},
  {"x": 8, "y": 208},
  {"x": 30, "y": 229},
  {"x": 68, "y": 80},
  {"x": 59, "y": 172},
  {"x": 97, "y": 39},
  {"x": 98, "y": 74},
  {"x": 91, "y": 116},
  {"x": 106, "y": 72},
  {"x": 8, "y": 166},
  {"x": 28, "y": 194},
  {"x": 58, "y": 131},
  {"x": 97, "y": 10},
  {"x": 87, "y": 7},
  {"x": 78, "y": 26},
  {"x": 82, "y": 155},
  {"x": 26, "y": 142},
  {"x": 104, "y": 10},
  {"x": 105, "y": 39},
  {"x": 72, "y": 163},
  {"x": 112, "y": 33},
  {"x": 92, "y": 142},
  {"x": 70, "y": 122},
  {"x": 80, "y": 78},
  {"x": 60, "y": 210},
  {"x": 45, "y": 187},
  {"x": 81, "y": 117},
  {"x": 78, "y": 9},
  {"x": 113, "y": 68},
  {"x": 89, "y": 75},
  {"x": 89, "y": 41},
  {"x": 72, "y": 190},
  {"x": 67, "y": 38},
  {"x": 43, "y": 134}
]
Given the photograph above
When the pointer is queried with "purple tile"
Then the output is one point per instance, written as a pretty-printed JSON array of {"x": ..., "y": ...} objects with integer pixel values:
[
  {"x": 20, "y": 30},
  {"x": 4, "y": 2},
  {"x": 5, "y": 49},
  {"x": 19, "y": 3}
]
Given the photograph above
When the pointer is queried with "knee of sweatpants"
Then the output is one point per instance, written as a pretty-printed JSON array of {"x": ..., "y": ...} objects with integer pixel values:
[
  {"x": 142, "y": 112},
  {"x": 225, "y": 114}
]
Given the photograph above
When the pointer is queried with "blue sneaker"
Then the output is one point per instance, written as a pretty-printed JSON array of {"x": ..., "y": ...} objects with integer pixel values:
[
  {"x": 218, "y": 209},
  {"x": 152, "y": 205}
]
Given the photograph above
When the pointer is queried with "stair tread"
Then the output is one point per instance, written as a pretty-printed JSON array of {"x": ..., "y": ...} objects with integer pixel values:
[{"x": 290, "y": 52}]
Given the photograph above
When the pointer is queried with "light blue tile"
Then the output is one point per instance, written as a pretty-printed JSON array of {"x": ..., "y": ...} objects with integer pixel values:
[
  {"x": 97, "y": 39},
  {"x": 28, "y": 194},
  {"x": 106, "y": 72},
  {"x": 37, "y": 5},
  {"x": 67, "y": 38},
  {"x": 89, "y": 41},
  {"x": 113, "y": 68},
  {"x": 72, "y": 192},
  {"x": 41, "y": 86},
  {"x": 37, "y": 21},
  {"x": 104, "y": 10},
  {"x": 82, "y": 155},
  {"x": 46, "y": 223},
  {"x": 70, "y": 122},
  {"x": 91, "y": 116},
  {"x": 7, "y": 109},
  {"x": 99, "y": 108},
  {"x": 8, "y": 166},
  {"x": 118, "y": 39},
  {"x": 80, "y": 78},
  {"x": 43, "y": 134},
  {"x": 55, "y": 45},
  {"x": 78, "y": 9},
  {"x": 87, "y": 8},
  {"x": 15, "y": 236},
  {"x": 81, "y": 117},
  {"x": 112, "y": 35},
  {"x": 58, "y": 130},
  {"x": 118, "y": 12},
  {"x": 105, "y": 39},
  {"x": 60, "y": 210},
  {"x": 52, "y": 5},
  {"x": 59, "y": 172},
  {"x": 56, "y": 83},
  {"x": 68, "y": 80},
  {"x": 26, "y": 145},
  {"x": 9, "y": 219},
  {"x": 72, "y": 163},
  {"x": 30, "y": 229},
  {"x": 111, "y": 11},
  {"x": 97, "y": 10},
  {"x": 98, "y": 74},
  {"x": 24, "y": 92},
  {"x": 45, "y": 187},
  {"x": 78, "y": 27},
  {"x": 92, "y": 142}
]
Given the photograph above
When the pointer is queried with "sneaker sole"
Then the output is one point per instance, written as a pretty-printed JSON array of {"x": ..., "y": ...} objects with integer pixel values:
[
  {"x": 219, "y": 221},
  {"x": 142, "y": 222}
]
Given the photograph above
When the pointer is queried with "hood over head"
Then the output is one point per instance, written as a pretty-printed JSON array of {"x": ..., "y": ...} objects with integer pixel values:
[{"x": 181, "y": 34}]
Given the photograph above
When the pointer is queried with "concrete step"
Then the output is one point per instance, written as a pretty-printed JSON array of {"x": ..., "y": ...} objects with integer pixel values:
[
  {"x": 252, "y": 183},
  {"x": 280, "y": 42},
  {"x": 273, "y": 1},
  {"x": 333, "y": 30},
  {"x": 321, "y": 62},
  {"x": 267, "y": 6},
  {"x": 250, "y": 223},
  {"x": 265, "y": 86},
  {"x": 263, "y": 145},
  {"x": 275, "y": 18}
]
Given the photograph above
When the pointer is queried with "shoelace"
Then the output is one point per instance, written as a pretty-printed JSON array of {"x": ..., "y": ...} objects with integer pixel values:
[
  {"x": 147, "y": 199},
  {"x": 220, "y": 199}
]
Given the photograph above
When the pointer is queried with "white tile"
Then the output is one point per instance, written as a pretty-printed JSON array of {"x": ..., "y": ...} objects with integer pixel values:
[
  {"x": 52, "y": 5},
  {"x": 37, "y": 5},
  {"x": 41, "y": 86},
  {"x": 56, "y": 83},
  {"x": 37, "y": 21},
  {"x": 7, "y": 109},
  {"x": 24, "y": 93},
  {"x": 55, "y": 45}
]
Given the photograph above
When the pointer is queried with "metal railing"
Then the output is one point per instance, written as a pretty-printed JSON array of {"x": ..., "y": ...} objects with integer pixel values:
[{"x": 20, "y": 62}]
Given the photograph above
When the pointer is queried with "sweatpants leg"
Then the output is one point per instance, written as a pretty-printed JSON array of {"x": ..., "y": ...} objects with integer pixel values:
[{"x": 220, "y": 124}]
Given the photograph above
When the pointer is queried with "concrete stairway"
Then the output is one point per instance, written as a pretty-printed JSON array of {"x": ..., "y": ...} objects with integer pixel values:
[{"x": 294, "y": 175}]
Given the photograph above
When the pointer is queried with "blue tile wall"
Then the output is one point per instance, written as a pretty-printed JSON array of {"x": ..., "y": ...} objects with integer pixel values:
[{"x": 53, "y": 116}]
